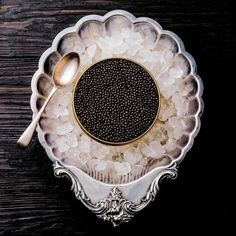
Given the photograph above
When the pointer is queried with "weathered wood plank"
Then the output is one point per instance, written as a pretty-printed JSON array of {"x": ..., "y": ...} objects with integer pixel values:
[{"x": 32, "y": 200}]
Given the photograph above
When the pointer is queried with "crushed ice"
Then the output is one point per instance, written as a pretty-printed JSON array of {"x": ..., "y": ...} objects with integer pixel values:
[{"x": 159, "y": 55}]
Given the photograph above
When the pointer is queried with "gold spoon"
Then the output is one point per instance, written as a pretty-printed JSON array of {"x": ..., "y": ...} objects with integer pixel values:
[{"x": 63, "y": 74}]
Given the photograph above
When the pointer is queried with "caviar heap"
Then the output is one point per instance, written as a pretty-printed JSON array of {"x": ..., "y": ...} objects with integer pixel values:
[{"x": 116, "y": 101}]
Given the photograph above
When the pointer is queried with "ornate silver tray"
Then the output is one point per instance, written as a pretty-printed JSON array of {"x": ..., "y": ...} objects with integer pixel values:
[{"x": 114, "y": 185}]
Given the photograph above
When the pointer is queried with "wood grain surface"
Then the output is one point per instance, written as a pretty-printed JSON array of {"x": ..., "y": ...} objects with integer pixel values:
[{"x": 32, "y": 200}]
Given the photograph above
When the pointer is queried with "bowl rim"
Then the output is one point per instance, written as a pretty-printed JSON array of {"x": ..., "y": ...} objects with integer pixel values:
[{"x": 134, "y": 140}]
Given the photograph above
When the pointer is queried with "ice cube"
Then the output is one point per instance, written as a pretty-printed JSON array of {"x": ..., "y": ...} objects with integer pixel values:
[{"x": 64, "y": 128}]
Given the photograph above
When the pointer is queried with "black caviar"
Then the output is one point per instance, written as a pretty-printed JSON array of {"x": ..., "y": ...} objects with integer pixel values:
[{"x": 116, "y": 100}]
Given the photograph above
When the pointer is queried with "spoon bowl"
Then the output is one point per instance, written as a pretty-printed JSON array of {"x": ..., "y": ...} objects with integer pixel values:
[{"x": 66, "y": 69}]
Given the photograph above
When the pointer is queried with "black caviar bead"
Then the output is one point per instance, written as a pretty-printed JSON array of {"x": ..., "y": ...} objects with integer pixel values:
[{"x": 116, "y": 100}]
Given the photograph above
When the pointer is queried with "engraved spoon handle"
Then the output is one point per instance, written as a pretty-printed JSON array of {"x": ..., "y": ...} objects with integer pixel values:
[{"x": 25, "y": 138}]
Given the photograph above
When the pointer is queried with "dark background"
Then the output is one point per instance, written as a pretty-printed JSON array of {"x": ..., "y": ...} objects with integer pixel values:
[{"x": 33, "y": 201}]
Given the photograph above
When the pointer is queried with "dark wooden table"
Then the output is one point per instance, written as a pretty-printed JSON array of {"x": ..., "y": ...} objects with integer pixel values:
[{"x": 32, "y": 200}]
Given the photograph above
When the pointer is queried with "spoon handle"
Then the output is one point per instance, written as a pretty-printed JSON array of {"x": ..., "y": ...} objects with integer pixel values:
[{"x": 25, "y": 138}]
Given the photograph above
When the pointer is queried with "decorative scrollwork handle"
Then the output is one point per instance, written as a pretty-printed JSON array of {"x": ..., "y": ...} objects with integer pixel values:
[{"x": 115, "y": 208}]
